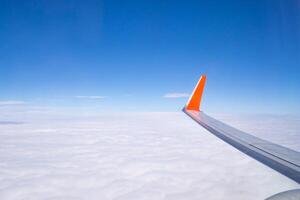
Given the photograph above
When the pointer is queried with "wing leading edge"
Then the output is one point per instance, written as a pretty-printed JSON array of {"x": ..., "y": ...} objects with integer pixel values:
[{"x": 279, "y": 158}]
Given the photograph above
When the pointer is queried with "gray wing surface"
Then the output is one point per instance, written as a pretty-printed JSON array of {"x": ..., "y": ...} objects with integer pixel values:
[{"x": 279, "y": 158}]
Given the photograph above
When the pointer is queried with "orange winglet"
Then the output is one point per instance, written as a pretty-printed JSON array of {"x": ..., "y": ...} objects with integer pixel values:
[{"x": 195, "y": 99}]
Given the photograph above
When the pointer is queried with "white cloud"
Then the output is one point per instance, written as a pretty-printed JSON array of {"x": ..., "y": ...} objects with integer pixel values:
[
  {"x": 132, "y": 156},
  {"x": 176, "y": 95},
  {"x": 11, "y": 102},
  {"x": 91, "y": 97}
]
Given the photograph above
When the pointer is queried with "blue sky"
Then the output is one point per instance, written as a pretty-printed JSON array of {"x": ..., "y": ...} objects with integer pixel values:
[{"x": 127, "y": 55}]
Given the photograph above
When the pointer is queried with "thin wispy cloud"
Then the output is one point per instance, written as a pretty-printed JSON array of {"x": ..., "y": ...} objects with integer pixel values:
[
  {"x": 176, "y": 95},
  {"x": 11, "y": 103},
  {"x": 91, "y": 97}
]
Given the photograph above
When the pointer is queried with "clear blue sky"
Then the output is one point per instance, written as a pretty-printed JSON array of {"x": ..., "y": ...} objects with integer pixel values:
[{"x": 135, "y": 52}]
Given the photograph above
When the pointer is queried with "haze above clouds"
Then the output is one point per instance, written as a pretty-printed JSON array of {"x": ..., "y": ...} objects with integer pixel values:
[{"x": 133, "y": 156}]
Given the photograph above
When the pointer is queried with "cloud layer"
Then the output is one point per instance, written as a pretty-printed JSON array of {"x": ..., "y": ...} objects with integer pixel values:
[{"x": 138, "y": 156}]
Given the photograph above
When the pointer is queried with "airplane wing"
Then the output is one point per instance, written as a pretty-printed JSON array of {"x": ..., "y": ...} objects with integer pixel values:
[{"x": 279, "y": 158}]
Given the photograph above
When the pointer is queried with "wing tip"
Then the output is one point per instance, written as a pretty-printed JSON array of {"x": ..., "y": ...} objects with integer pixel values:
[{"x": 194, "y": 101}]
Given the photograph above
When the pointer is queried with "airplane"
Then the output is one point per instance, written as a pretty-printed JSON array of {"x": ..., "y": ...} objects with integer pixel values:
[{"x": 284, "y": 160}]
